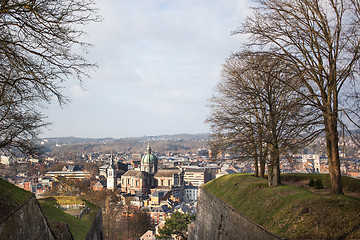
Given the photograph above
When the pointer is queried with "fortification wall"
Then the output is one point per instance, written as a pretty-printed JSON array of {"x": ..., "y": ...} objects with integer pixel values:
[
  {"x": 27, "y": 222},
  {"x": 217, "y": 221},
  {"x": 96, "y": 231}
]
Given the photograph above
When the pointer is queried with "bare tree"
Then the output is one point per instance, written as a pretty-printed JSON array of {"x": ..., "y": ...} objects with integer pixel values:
[
  {"x": 321, "y": 40},
  {"x": 255, "y": 110},
  {"x": 236, "y": 119},
  {"x": 40, "y": 42}
]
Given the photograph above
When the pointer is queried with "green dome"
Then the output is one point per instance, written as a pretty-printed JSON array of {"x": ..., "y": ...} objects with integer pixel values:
[{"x": 149, "y": 157}]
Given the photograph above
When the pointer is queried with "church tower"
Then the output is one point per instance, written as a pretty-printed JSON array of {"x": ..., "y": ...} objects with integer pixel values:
[
  {"x": 149, "y": 162},
  {"x": 111, "y": 175}
]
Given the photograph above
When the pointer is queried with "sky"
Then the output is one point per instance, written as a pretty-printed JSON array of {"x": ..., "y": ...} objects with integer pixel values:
[{"x": 158, "y": 64}]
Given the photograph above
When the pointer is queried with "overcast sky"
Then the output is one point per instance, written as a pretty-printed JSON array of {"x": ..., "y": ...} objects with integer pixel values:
[{"x": 158, "y": 63}]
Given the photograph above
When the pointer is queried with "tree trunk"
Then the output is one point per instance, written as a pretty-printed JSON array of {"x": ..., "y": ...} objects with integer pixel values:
[
  {"x": 262, "y": 166},
  {"x": 273, "y": 174},
  {"x": 262, "y": 160},
  {"x": 274, "y": 166},
  {"x": 256, "y": 163},
  {"x": 255, "y": 154},
  {"x": 332, "y": 147},
  {"x": 256, "y": 167},
  {"x": 278, "y": 171},
  {"x": 332, "y": 138}
]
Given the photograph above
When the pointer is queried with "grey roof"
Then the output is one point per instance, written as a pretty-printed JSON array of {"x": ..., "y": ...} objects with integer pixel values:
[
  {"x": 184, "y": 208},
  {"x": 136, "y": 174},
  {"x": 104, "y": 167},
  {"x": 167, "y": 172},
  {"x": 159, "y": 193},
  {"x": 142, "y": 174},
  {"x": 98, "y": 184},
  {"x": 72, "y": 168},
  {"x": 194, "y": 170},
  {"x": 229, "y": 171},
  {"x": 162, "y": 208}
]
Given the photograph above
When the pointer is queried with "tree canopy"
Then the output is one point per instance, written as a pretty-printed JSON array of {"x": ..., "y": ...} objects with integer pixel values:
[
  {"x": 255, "y": 113},
  {"x": 320, "y": 40},
  {"x": 176, "y": 225},
  {"x": 40, "y": 47}
]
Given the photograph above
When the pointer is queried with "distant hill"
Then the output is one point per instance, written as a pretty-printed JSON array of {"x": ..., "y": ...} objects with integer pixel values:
[
  {"x": 175, "y": 137},
  {"x": 162, "y": 143},
  {"x": 74, "y": 140}
]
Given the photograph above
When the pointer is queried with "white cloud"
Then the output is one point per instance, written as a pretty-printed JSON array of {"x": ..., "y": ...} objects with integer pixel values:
[{"x": 156, "y": 58}]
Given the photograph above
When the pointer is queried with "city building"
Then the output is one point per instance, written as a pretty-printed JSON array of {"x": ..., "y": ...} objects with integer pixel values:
[
  {"x": 98, "y": 186},
  {"x": 194, "y": 176},
  {"x": 170, "y": 179},
  {"x": 111, "y": 181},
  {"x": 157, "y": 214},
  {"x": 191, "y": 192},
  {"x": 76, "y": 174},
  {"x": 149, "y": 177}
]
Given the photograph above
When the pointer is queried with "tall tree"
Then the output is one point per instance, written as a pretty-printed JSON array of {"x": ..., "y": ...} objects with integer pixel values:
[
  {"x": 255, "y": 109},
  {"x": 40, "y": 42},
  {"x": 236, "y": 117},
  {"x": 321, "y": 40}
]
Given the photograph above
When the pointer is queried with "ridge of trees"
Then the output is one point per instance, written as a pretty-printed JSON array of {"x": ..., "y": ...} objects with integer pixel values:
[{"x": 319, "y": 42}]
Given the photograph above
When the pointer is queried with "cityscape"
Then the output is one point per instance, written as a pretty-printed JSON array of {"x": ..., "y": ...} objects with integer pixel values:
[
  {"x": 175, "y": 120},
  {"x": 153, "y": 181}
]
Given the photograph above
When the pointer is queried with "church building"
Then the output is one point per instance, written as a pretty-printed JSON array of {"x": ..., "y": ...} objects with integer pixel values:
[{"x": 149, "y": 178}]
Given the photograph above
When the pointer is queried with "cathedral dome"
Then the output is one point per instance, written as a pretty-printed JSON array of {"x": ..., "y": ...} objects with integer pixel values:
[{"x": 149, "y": 158}]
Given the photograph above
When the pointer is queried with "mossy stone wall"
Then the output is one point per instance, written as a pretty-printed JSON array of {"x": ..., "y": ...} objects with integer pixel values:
[
  {"x": 27, "y": 222},
  {"x": 216, "y": 220}
]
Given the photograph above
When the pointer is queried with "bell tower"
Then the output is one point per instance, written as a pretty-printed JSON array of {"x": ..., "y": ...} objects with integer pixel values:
[{"x": 111, "y": 175}]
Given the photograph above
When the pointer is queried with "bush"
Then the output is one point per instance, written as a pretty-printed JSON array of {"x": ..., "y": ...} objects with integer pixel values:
[
  {"x": 311, "y": 183},
  {"x": 318, "y": 184}
]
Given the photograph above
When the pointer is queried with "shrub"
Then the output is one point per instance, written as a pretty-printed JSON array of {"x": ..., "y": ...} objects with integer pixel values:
[
  {"x": 311, "y": 183},
  {"x": 318, "y": 184}
]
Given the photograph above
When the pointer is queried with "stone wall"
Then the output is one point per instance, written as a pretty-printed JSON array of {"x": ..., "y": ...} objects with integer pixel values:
[
  {"x": 216, "y": 220},
  {"x": 27, "y": 222},
  {"x": 96, "y": 231}
]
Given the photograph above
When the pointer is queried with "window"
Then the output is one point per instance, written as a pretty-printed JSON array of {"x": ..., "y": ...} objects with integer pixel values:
[{"x": 169, "y": 182}]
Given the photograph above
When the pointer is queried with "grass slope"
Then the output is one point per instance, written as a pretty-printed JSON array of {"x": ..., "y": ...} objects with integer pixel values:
[
  {"x": 290, "y": 211},
  {"x": 78, "y": 227},
  {"x": 11, "y": 197},
  {"x": 350, "y": 185}
]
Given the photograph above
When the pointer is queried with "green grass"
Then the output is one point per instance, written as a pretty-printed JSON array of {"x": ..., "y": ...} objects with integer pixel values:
[
  {"x": 11, "y": 197},
  {"x": 78, "y": 227},
  {"x": 289, "y": 211},
  {"x": 349, "y": 184}
]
